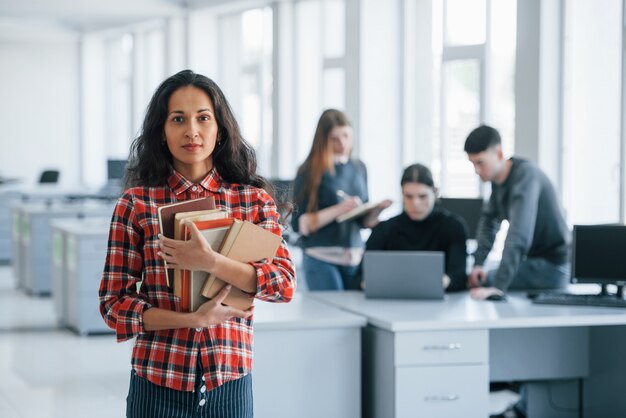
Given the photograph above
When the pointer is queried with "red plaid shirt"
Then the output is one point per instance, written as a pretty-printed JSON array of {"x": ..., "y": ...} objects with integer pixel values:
[{"x": 170, "y": 357}]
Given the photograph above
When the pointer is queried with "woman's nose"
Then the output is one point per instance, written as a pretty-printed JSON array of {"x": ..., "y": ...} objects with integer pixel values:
[{"x": 191, "y": 131}]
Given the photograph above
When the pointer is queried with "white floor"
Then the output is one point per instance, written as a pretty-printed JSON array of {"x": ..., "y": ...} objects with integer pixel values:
[{"x": 47, "y": 372}]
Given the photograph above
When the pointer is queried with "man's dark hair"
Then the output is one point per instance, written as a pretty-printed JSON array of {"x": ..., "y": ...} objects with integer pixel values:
[
  {"x": 481, "y": 139},
  {"x": 417, "y": 173}
]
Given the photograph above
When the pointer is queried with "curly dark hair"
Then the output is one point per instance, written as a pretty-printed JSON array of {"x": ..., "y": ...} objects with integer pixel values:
[{"x": 150, "y": 160}]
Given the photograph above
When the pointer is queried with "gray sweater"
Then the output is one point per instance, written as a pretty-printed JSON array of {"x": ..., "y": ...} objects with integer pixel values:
[{"x": 537, "y": 227}]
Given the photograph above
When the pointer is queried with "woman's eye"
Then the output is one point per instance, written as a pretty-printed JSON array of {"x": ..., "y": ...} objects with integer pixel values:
[
  {"x": 205, "y": 118},
  {"x": 177, "y": 119}
]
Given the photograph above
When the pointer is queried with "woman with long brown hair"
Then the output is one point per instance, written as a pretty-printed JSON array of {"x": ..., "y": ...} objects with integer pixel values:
[
  {"x": 330, "y": 183},
  {"x": 188, "y": 364}
]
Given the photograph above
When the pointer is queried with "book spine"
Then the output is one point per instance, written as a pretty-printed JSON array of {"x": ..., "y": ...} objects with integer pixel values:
[{"x": 185, "y": 290}]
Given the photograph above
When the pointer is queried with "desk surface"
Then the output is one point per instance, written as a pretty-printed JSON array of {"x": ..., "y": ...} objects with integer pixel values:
[
  {"x": 98, "y": 226},
  {"x": 302, "y": 312},
  {"x": 86, "y": 208},
  {"x": 460, "y": 311}
]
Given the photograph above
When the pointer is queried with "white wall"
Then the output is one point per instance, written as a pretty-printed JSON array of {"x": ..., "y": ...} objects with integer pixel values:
[
  {"x": 593, "y": 48},
  {"x": 39, "y": 111}
]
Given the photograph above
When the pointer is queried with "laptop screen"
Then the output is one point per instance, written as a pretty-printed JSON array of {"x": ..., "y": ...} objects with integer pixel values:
[{"x": 403, "y": 274}]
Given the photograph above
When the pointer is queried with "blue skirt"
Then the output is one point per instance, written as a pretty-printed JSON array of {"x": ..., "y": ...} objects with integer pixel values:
[{"x": 230, "y": 400}]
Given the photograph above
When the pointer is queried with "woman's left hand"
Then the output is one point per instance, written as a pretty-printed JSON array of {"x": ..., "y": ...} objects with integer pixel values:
[
  {"x": 371, "y": 220},
  {"x": 384, "y": 204},
  {"x": 192, "y": 254}
]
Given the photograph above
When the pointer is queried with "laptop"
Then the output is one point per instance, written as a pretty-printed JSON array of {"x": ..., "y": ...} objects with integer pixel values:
[{"x": 403, "y": 274}]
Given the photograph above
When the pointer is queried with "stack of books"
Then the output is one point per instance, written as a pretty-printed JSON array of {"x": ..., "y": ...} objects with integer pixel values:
[{"x": 239, "y": 240}]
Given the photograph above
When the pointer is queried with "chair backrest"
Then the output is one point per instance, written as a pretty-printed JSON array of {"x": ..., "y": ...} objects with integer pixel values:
[{"x": 49, "y": 176}]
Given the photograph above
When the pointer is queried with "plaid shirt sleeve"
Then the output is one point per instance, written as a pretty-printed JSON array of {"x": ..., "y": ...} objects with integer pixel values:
[
  {"x": 121, "y": 305},
  {"x": 276, "y": 279}
]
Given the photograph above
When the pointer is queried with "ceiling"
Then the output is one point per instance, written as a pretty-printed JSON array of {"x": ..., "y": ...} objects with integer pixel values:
[{"x": 26, "y": 19}]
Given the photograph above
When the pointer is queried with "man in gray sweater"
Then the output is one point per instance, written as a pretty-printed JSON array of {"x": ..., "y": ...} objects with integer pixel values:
[{"x": 536, "y": 250}]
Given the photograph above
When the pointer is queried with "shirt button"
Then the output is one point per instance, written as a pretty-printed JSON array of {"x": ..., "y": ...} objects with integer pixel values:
[
  {"x": 202, "y": 402},
  {"x": 194, "y": 188},
  {"x": 198, "y": 329},
  {"x": 203, "y": 389},
  {"x": 203, "y": 379}
]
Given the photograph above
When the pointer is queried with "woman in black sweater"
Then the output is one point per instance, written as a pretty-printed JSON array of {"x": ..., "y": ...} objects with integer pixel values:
[{"x": 422, "y": 226}]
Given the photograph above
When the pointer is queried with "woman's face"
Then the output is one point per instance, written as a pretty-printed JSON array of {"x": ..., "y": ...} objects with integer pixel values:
[
  {"x": 418, "y": 199},
  {"x": 191, "y": 132},
  {"x": 340, "y": 140}
]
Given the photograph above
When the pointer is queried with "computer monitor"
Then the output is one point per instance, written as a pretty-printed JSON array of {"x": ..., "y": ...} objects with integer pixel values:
[
  {"x": 467, "y": 208},
  {"x": 116, "y": 169},
  {"x": 598, "y": 255}
]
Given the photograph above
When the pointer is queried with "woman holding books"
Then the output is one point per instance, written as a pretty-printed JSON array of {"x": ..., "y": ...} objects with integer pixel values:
[
  {"x": 188, "y": 363},
  {"x": 328, "y": 185},
  {"x": 422, "y": 226}
]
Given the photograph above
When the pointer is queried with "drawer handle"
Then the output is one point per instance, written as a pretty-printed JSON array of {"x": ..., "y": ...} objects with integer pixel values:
[
  {"x": 442, "y": 398},
  {"x": 444, "y": 347}
]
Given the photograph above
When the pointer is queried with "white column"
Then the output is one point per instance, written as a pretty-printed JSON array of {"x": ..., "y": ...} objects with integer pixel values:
[
  {"x": 92, "y": 111},
  {"x": 202, "y": 43},
  {"x": 284, "y": 157},
  {"x": 418, "y": 83},
  {"x": 379, "y": 130},
  {"x": 537, "y": 85},
  {"x": 176, "y": 58}
]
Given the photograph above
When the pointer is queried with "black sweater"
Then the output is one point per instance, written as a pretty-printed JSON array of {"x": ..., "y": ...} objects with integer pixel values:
[{"x": 440, "y": 231}]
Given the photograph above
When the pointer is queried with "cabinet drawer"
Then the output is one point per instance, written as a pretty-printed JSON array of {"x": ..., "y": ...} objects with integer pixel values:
[
  {"x": 442, "y": 392},
  {"x": 441, "y": 347}
]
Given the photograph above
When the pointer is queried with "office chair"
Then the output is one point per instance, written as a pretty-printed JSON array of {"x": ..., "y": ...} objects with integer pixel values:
[{"x": 49, "y": 176}]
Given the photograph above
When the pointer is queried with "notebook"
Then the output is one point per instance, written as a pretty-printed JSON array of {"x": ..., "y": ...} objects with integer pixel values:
[{"x": 403, "y": 274}]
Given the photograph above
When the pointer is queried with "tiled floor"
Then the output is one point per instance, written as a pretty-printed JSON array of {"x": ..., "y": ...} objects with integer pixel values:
[{"x": 47, "y": 372}]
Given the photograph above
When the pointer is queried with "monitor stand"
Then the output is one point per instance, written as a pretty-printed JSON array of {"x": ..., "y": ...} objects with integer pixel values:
[{"x": 605, "y": 293}]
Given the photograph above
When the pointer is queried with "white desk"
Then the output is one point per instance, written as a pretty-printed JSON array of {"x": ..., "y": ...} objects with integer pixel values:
[
  {"x": 13, "y": 193},
  {"x": 435, "y": 359},
  {"x": 79, "y": 249},
  {"x": 8, "y": 196},
  {"x": 307, "y": 360},
  {"x": 32, "y": 235}
]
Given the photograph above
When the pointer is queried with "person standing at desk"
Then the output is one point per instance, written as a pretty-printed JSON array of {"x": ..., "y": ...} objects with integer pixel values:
[
  {"x": 328, "y": 184},
  {"x": 188, "y": 364},
  {"x": 536, "y": 250},
  {"x": 422, "y": 226}
]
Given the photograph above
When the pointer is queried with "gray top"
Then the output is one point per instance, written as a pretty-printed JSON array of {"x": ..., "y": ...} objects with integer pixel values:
[
  {"x": 350, "y": 178},
  {"x": 537, "y": 226}
]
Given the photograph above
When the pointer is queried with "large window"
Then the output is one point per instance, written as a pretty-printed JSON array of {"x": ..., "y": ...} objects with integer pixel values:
[
  {"x": 120, "y": 72},
  {"x": 319, "y": 58},
  {"x": 474, "y": 41},
  {"x": 244, "y": 72},
  {"x": 256, "y": 83}
]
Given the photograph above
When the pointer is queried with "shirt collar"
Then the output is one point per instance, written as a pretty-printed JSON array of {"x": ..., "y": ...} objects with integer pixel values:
[
  {"x": 179, "y": 184},
  {"x": 341, "y": 159}
]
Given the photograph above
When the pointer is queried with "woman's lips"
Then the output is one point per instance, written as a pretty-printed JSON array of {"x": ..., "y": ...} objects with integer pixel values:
[{"x": 192, "y": 147}]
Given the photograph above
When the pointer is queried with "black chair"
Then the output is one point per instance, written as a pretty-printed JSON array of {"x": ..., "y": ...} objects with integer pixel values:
[
  {"x": 283, "y": 196},
  {"x": 49, "y": 177}
]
